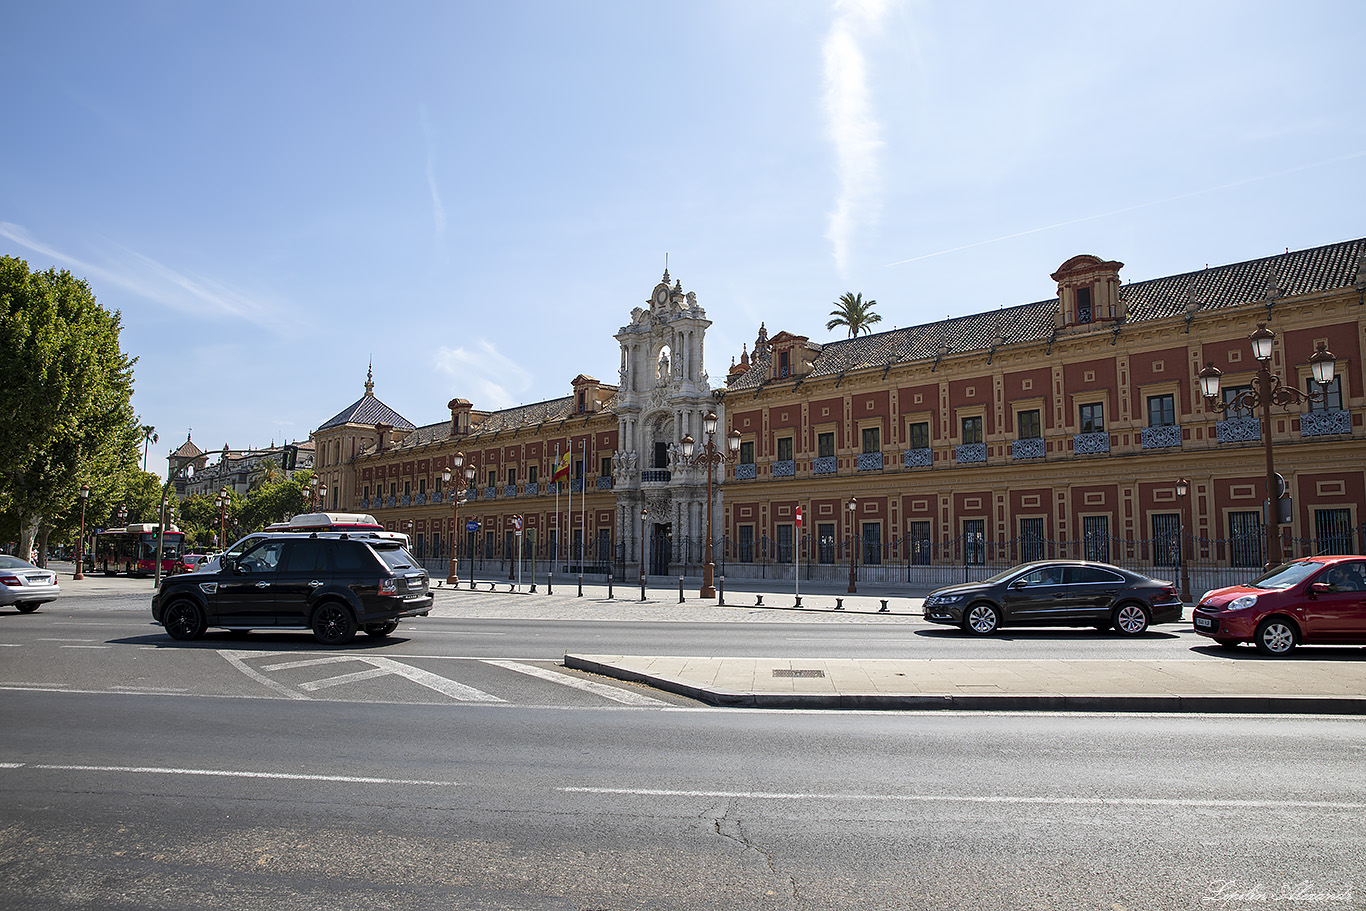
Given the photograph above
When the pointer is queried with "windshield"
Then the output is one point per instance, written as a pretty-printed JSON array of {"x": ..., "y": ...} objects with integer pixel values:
[
  {"x": 396, "y": 557},
  {"x": 1287, "y": 575},
  {"x": 9, "y": 562}
]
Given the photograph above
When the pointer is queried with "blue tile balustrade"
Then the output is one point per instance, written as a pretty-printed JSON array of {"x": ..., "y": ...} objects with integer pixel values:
[
  {"x": 1325, "y": 423},
  {"x": 1030, "y": 448},
  {"x": 365, "y": 503},
  {"x": 1162, "y": 437},
  {"x": 655, "y": 476},
  {"x": 970, "y": 452},
  {"x": 576, "y": 485},
  {"x": 824, "y": 465},
  {"x": 605, "y": 482},
  {"x": 436, "y": 496},
  {"x": 533, "y": 488},
  {"x": 490, "y": 493},
  {"x": 917, "y": 458},
  {"x": 392, "y": 502},
  {"x": 509, "y": 490},
  {"x": 745, "y": 471},
  {"x": 785, "y": 468},
  {"x": 870, "y": 461},
  {"x": 422, "y": 499},
  {"x": 405, "y": 500},
  {"x": 1091, "y": 443},
  {"x": 1239, "y": 430}
]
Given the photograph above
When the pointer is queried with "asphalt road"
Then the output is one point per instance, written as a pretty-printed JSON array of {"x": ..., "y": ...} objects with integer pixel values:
[{"x": 265, "y": 772}]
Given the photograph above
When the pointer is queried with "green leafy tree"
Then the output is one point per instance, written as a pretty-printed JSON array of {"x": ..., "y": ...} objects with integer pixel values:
[
  {"x": 272, "y": 501},
  {"x": 65, "y": 396},
  {"x": 852, "y": 311}
]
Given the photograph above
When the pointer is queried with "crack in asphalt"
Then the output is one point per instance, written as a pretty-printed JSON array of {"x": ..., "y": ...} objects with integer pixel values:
[{"x": 733, "y": 830}]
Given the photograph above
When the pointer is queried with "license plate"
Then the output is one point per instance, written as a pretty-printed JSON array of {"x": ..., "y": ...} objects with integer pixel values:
[{"x": 1204, "y": 622}]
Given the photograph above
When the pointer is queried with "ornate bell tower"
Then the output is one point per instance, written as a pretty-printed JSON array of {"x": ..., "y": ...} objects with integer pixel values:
[{"x": 664, "y": 394}]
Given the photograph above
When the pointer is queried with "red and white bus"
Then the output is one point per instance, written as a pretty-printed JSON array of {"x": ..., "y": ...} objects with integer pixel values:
[{"x": 133, "y": 550}]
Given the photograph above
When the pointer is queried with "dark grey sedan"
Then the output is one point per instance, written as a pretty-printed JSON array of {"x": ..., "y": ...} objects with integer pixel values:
[
  {"x": 24, "y": 585},
  {"x": 1057, "y": 593}
]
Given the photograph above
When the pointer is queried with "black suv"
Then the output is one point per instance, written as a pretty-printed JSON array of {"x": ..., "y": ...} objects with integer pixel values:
[{"x": 332, "y": 584}]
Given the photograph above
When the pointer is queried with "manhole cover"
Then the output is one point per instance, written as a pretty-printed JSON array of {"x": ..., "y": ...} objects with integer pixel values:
[{"x": 796, "y": 672}]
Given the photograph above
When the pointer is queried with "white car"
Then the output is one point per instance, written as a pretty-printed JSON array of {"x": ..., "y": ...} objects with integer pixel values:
[{"x": 26, "y": 586}]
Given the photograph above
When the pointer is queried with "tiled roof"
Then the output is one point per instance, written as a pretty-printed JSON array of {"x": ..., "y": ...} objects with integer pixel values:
[
  {"x": 187, "y": 450},
  {"x": 522, "y": 417},
  {"x": 369, "y": 410},
  {"x": 1295, "y": 273}
]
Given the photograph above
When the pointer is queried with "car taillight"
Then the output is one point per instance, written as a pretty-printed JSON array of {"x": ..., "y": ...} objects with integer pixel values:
[
  {"x": 388, "y": 587},
  {"x": 1165, "y": 594},
  {"x": 11, "y": 580}
]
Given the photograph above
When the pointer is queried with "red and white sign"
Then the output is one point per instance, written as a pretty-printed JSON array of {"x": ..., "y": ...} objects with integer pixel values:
[
  {"x": 517, "y": 523},
  {"x": 799, "y": 517}
]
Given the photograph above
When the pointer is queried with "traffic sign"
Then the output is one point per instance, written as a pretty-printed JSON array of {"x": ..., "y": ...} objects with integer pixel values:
[
  {"x": 799, "y": 517},
  {"x": 517, "y": 523},
  {"x": 472, "y": 525}
]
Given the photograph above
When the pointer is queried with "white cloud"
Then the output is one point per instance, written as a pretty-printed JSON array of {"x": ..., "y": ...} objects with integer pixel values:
[
  {"x": 484, "y": 374},
  {"x": 149, "y": 279},
  {"x": 851, "y": 122},
  {"x": 438, "y": 209}
]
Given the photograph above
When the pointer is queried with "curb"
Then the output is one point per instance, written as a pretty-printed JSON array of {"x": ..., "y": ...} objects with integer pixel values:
[{"x": 1003, "y": 702}]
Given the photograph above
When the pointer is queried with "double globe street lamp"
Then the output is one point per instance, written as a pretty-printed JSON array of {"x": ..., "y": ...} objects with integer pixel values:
[
  {"x": 222, "y": 501},
  {"x": 457, "y": 460},
  {"x": 711, "y": 457},
  {"x": 1267, "y": 390}
]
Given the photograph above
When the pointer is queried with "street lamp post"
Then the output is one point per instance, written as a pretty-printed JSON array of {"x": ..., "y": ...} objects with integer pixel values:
[
  {"x": 1267, "y": 389},
  {"x": 644, "y": 511},
  {"x": 313, "y": 494},
  {"x": 80, "y": 541},
  {"x": 711, "y": 457},
  {"x": 222, "y": 501},
  {"x": 1182, "y": 489},
  {"x": 853, "y": 539},
  {"x": 457, "y": 460}
]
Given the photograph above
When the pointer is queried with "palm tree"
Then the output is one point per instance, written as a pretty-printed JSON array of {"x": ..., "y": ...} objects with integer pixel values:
[
  {"x": 853, "y": 311},
  {"x": 149, "y": 436}
]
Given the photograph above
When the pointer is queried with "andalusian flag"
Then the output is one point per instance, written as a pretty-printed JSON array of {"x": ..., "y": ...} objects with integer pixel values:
[{"x": 561, "y": 470}]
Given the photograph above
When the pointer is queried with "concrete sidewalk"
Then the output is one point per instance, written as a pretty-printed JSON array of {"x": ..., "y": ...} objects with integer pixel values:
[{"x": 1241, "y": 683}]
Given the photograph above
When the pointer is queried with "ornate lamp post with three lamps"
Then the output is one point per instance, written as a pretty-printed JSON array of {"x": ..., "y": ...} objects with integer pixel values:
[
  {"x": 457, "y": 460},
  {"x": 711, "y": 457},
  {"x": 1267, "y": 390}
]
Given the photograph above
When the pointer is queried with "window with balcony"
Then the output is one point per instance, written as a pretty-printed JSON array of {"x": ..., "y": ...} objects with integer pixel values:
[
  {"x": 972, "y": 430},
  {"x": 493, "y": 478},
  {"x": 918, "y": 454},
  {"x": 971, "y": 449},
  {"x": 1030, "y": 444},
  {"x": 533, "y": 473},
  {"x": 746, "y": 452},
  {"x": 872, "y": 439},
  {"x": 825, "y": 445},
  {"x": 1093, "y": 417},
  {"x": 1326, "y": 416},
  {"x": 512, "y": 477},
  {"x": 785, "y": 449},
  {"x": 785, "y": 466},
  {"x": 1161, "y": 430},
  {"x": 1084, "y": 312}
]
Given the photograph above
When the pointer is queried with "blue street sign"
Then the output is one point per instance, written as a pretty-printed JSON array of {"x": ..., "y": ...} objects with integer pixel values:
[{"x": 471, "y": 525}]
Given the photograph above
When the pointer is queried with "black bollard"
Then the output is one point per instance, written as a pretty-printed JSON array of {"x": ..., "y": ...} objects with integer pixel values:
[
  {"x": 721, "y": 593},
  {"x": 680, "y": 589},
  {"x": 609, "y": 585},
  {"x": 580, "y": 594},
  {"x": 799, "y": 601},
  {"x": 883, "y": 609},
  {"x": 758, "y": 600},
  {"x": 839, "y": 604}
]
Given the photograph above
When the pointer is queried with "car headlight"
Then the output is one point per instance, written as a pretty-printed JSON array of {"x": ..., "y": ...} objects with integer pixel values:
[
  {"x": 940, "y": 600},
  {"x": 1241, "y": 602}
]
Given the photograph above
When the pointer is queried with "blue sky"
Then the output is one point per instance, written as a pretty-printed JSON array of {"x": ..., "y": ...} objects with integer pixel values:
[{"x": 475, "y": 195}]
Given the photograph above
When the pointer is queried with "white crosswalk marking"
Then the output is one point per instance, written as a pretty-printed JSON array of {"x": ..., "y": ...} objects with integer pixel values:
[{"x": 601, "y": 689}]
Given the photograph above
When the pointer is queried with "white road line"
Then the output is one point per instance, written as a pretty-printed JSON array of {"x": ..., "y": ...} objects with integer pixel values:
[
  {"x": 228, "y": 773},
  {"x": 42, "y": 639},
  {"x": 589, "y": 686},
  {"x": 289, "y": 665},
  {"x": 432, "y": 681},
  {"x": 85, "y": 646},
  {"x": 972, "y": 798},
  {"x": 11, "y": 645},
  {"x": 235, "y": 659},
  {"x": 346, "y": 678}
]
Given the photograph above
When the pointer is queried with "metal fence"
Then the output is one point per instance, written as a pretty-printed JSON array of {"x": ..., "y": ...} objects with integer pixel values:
[{"x": 916, "y": 564}]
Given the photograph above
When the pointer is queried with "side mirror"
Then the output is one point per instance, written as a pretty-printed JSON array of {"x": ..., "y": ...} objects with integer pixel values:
[
  {"x": 228, "y": 564},
  {"x": 1019, "y": 583},
  {"x": 1320, "y": 588}
]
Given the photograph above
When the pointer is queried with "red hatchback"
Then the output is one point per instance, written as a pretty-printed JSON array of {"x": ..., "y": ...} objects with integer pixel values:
[{"x": 1315, "y": 601}]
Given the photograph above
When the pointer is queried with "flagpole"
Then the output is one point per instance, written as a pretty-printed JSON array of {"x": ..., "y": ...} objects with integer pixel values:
[
  {"x": 797, "y": 576},
  {"x": 550, "y": 578},
  {"x": 583, "y": 513}
]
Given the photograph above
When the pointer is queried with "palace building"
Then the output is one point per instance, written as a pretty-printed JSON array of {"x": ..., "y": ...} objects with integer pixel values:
[{"x": 1060, "y": 427}]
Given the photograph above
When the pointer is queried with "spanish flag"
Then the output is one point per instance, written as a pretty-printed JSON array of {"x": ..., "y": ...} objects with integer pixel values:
[{"x": 562, "y": 469}]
